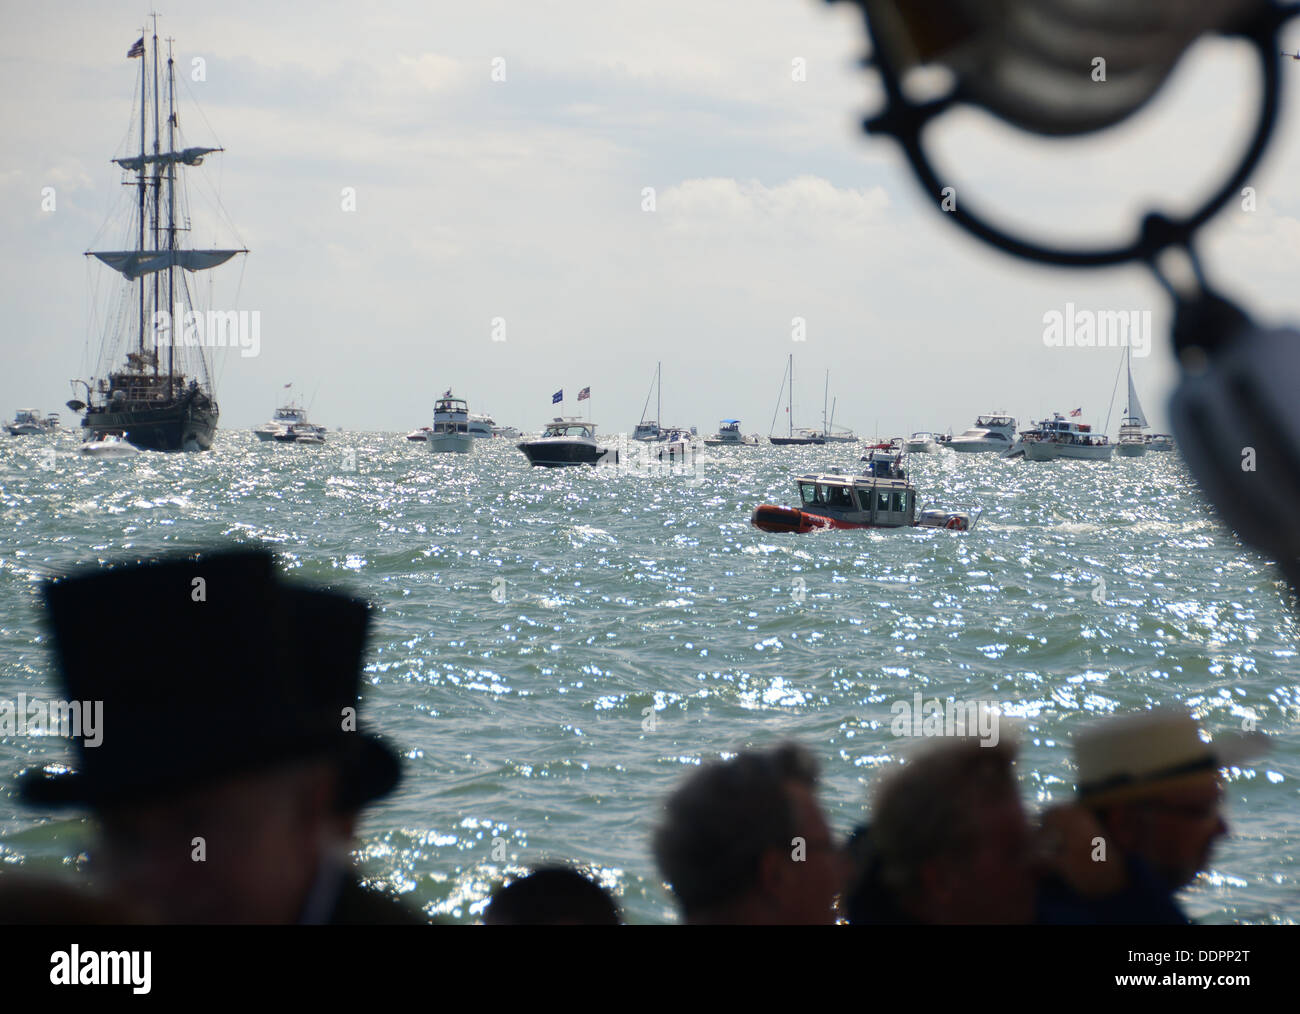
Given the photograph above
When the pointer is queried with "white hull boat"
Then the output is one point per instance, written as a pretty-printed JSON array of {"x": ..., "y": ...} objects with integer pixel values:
[
  {"x": 450, "y": 433},
  {"x": 108, "y": 445},
  {"x": 993, "y": 433}
]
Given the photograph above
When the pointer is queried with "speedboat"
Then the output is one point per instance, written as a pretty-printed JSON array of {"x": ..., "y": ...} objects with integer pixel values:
[
  {"x": 421, "y": 434},
  {"x": 506, "y": 431},
  {"x": 1160, "y": 442},
  {"x": 881, "y": 497},
  {"x": 921, "y": 442},
  {"x": 301, "y": 433},
  {"x": 993, "y": 432},
  {"x": 567, "y": 442},
  {"x": 450, "y": 431},
  {"x": 108, "y": 445}
]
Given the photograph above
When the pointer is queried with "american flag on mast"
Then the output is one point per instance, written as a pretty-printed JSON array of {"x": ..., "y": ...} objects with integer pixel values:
[
  {"x": 136, "y": 50},
  {"x": 1077, "y": 411},
  {"x": 584, "y": 393}
]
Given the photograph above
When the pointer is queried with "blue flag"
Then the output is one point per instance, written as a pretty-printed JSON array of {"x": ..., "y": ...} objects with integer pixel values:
[{"x": 557, "y": 396}]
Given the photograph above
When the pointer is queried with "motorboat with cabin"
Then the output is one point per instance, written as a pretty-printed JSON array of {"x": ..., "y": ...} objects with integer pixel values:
[
  {"x": 921, "y": 442},
  {"x": 420, "y": 435},
  {"x": 450, "y": 433},
  {"x": 301, "y": 433},
  {"x": 994, "y": 432},
  {"x": 1060, "y": 437},
  {"x": 291, "y": 415},
  {"x": 567, "y": 442},
  {"x": 881, "y": 497},
  {"x": 29, "y": 422},
  {"x": 729, "y": 435},
  {"x": 1160, "y": 442}
]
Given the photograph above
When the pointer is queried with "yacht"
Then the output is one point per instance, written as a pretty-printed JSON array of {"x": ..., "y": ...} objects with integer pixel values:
[
  {"x": 1160, "y": 442},
  {"x": 1132, "y": 439},
  {"x": 1060, "y": 437},
  {"x": 793, "y": 436},
  {"x": 420, "y": 435},
  {"x": 508, "y": 432},
  {"x": 881, "y": 497},
  {"x": 729, "y": 435},
  {"x": 993, "y": 432},
  {"x": 921, "y": 442},
  {"x": 567, "y": 442},
  {"x": 29, "y": 422},
  {"x": 481, "y": 426},
  {"x": 287, "y": 416},
  {"x": 450, "y": 431}
]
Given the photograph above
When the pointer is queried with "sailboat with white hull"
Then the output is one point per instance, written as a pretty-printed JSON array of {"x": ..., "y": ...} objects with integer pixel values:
[
  {"x": 1133, "y": 441},
  {"x": 152, "y": 383},
  {"x": 793, "y": 436}
]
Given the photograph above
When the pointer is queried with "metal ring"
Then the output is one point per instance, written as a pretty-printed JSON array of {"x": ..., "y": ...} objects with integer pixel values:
[{"x": 904, "y": 120}]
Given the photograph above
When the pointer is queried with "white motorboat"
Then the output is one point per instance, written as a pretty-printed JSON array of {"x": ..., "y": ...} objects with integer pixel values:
[
  {"x": 108, "y": 445},
  {"x": 921, "y": 442},
  {"x": 995, "y": 432},
  {"x": 301, "y": 433},
  {"x": 1132, "y": 439},
  {"x": 29, "y": 422},
  {"x": 567, "y": 442},
  {"x": 450, "y": 433},
  {"x": 509, "y": 432},
  {"x": 481, "y": 426},
  {"x": 287, "y": 416},
  {"x": 1160, "y": 442},
  {"x": 729, "y": 435},
  {"x": 420, "y": 435},
  {"x": 1060, "y": 437}
]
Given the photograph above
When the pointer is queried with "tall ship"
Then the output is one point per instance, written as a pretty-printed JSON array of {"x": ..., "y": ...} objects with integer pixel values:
[
  {"x": 152, "y": 382},
  {"x": 793, "y": 436},
  {"x": 1133, "y": 442}
]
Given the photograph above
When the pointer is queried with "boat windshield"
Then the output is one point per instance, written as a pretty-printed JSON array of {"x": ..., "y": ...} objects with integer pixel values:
[{"x": 569, "y": 430}]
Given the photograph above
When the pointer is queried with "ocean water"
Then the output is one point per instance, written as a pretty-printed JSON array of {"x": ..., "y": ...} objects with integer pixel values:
[{"x": 552, "y": 650}]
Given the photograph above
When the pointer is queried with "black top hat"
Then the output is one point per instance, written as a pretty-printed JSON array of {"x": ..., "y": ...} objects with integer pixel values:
[{"x": 208, "y": 666}]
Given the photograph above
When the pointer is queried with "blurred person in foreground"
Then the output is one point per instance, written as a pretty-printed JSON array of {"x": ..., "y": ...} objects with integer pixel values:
[
  {"x": 552, "y": 896},
  {"x": 1143, "y": 823},
  {"x": 230, "y": 769},
  {"x": 744, "y": 841},
  {"x": 948, "y": 843}
]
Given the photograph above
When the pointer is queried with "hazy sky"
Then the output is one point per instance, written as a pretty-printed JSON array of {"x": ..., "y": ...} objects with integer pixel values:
[{"x": 522, "y": 199}]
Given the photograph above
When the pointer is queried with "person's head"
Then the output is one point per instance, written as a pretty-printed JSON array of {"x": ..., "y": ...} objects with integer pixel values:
[
  {"x": 1153, "y": 784},
  {"x": 241, "y": 849},
  {"x": 745, "y": 841},
  {"x": 228, "y": 760},
  {"x": 951, "y": 839},
  {"x": 552, "y": 896},
  {"x": 1172, "y": 828}
]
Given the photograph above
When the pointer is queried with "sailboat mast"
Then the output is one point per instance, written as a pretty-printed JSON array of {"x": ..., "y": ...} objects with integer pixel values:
[
  {"x": 171, "y": 213},
  {"x": 826, "y": 432},
  {"x": 789, "y": 405},
  {"x": 144, "y": 178},
  {"x": 157, "y": 190},
  {"x": 659, "y": 406}
]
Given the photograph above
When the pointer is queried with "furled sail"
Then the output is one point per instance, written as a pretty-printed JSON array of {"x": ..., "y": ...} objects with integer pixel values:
[
  {"x": 190, "y": 156},
  {"x": 137, "y": 263}
]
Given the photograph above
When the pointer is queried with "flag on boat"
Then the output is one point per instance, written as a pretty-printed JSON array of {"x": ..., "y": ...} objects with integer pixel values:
[
  {"x": 1077, "y": 411},
  {"x": 558, "y": 396},
  {"x": 288, "y": 385},
  {"x": 136, "y": 50},
  {"x": 448, "y": 394},
  {"x": 584, "y": 393}
]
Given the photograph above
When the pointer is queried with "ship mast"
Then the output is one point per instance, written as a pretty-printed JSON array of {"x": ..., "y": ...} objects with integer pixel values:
[
  {"x": 659, "y": 395},
  {"x": 171, "y": 214},
  {"x": 789, "y": 404},
  {"x": 143, "y": 181},
  {"x": 157, "y": 188}
]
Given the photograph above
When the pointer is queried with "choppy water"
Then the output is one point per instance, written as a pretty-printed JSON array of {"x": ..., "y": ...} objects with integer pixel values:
[{"x": 528, "y": 618}]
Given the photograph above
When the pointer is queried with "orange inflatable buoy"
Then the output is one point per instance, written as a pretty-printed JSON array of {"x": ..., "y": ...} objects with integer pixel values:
[{"x": 956, "y": 524}]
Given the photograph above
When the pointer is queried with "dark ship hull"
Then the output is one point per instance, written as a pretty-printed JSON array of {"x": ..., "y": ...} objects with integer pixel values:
[
  {"x": 188, "y": 423},
  {"x": 797, "y": 441}
]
